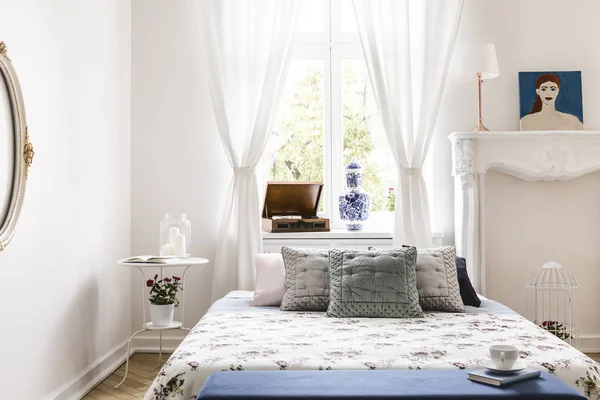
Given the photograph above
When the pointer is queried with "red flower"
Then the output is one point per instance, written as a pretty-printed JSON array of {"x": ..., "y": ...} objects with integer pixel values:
[
  {"x": 544, "y": 323},
  {"x": 176, "y": 278},
  {"x": 167, "y": 280},
  {"x": 149, "y": 282}
]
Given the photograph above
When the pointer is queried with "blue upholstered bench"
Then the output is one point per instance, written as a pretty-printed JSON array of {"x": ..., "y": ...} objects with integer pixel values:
[{"x": 343, "y": 385}]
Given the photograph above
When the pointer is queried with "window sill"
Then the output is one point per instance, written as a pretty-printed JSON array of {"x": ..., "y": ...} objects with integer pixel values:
[{"x": 338, "y": 234}]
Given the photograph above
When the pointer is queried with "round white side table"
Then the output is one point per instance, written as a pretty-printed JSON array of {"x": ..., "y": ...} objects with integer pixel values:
[{"x": 186, "y": 263}]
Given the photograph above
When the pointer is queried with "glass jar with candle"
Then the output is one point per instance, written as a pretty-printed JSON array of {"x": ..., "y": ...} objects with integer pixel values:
[{"x": 175, "y": 235}]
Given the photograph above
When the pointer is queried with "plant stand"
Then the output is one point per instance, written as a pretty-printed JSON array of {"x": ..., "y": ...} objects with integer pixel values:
[{"x": 184, "y": 263}]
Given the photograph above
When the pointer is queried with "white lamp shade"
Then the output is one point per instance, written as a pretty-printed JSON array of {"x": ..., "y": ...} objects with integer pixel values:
[{"x": 480, "y": 58}]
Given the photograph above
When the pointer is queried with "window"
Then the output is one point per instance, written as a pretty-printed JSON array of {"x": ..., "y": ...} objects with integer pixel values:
[{"x": 328, "y": 116}]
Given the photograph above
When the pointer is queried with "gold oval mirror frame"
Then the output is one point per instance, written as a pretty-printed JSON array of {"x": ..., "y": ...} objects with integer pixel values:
[{"x": 23, "y": 150}]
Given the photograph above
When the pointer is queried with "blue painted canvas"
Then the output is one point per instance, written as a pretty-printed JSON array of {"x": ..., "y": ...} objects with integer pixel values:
[{"x": 551, "y": 100}]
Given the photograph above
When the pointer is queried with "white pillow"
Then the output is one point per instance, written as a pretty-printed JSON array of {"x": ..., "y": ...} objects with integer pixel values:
[{"x": 270, "y": 278}]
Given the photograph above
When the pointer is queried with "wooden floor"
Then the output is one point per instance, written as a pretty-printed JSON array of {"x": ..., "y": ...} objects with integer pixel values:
[
  {"x": 143, "y": 368},
  {"x": 594, "y": 356}
]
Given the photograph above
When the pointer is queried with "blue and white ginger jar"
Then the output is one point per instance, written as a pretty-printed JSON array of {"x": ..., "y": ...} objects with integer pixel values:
[{"x": 354, "y": 202}]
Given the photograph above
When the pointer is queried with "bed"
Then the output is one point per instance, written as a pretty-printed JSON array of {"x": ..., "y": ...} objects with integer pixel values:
[{"x": 234, "y": 336}]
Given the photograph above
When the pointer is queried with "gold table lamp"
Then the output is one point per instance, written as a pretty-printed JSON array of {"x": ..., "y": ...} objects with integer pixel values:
[{"x": 480, "y": 60}]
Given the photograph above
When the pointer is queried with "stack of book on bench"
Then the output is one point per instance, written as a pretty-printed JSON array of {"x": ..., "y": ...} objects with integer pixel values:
[{"x": 496, "y": 379}]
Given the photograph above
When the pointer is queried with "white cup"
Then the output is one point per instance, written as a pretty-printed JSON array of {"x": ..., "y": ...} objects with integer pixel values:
[{"x": 504, "y": 356}]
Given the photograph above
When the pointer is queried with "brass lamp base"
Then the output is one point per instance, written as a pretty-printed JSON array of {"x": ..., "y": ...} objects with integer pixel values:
[{"x": 480, "y": 128}]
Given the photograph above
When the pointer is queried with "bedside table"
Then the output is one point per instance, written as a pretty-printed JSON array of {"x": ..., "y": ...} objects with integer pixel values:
[{"x": 186, "y": 263}]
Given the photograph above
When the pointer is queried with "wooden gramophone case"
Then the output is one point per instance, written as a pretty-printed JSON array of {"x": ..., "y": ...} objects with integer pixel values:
[{"x": 292, "y": 207}]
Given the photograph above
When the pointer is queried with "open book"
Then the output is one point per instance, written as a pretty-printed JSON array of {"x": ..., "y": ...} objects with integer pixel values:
[{"x": 152, "y": 259}]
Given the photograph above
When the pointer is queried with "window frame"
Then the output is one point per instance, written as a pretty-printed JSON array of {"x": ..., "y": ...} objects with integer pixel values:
[
  {"x": 333, "y": 54},
  {"x": 332, "y": 46}
]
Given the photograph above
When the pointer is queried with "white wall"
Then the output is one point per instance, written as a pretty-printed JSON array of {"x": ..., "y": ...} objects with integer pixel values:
[
  {"x": 66, "y": 305},
  {"x": 177, "y": 160},
  {"x": 526, "y": 219}
]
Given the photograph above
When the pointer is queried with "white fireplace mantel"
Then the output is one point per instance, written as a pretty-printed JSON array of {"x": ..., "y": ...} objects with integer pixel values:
[{"x": 529, "y": 155}]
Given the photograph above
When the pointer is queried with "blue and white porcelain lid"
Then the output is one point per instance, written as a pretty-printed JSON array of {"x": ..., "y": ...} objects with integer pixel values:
[{"x": 353, "y": 166}]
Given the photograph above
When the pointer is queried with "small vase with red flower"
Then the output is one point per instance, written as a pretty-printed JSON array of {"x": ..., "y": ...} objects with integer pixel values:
[{"x": 163, "y": 299}]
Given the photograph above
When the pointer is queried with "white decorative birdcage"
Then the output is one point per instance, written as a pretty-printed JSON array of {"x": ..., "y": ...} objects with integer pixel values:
[{"x": 553, "y": 303}]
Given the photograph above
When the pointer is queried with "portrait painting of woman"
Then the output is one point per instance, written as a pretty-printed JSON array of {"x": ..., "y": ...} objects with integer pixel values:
[{"x": 551, "y": 100}]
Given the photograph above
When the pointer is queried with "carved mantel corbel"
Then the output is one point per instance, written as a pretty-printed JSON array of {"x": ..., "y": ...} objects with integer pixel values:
[{"x": 463, "y": 162}]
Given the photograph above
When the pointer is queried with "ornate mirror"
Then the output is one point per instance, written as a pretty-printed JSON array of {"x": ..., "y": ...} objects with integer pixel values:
[{"x": 16, "y": 153}]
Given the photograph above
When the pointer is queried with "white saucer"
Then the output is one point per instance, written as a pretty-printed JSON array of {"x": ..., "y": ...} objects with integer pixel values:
[{"x": 515, "y": 368}]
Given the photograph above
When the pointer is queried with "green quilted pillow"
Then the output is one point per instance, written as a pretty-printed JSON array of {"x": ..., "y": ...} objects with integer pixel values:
[{"x": 373, "y": 283}]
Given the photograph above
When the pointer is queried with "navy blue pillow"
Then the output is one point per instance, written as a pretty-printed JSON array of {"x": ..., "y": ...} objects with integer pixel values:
[{"x": 467, "y": 292}]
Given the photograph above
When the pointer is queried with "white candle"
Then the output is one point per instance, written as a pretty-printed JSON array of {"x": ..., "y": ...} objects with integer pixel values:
[
  {"x": 180, "y": 245},
  {"x": 173, "y": 231},
  {"x": 167, "y": 250}
]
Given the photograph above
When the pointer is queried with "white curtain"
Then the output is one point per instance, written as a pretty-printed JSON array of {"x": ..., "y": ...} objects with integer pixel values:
[
  {"x": 407, "y": 45},
  {"x": 247, "y": 48}
]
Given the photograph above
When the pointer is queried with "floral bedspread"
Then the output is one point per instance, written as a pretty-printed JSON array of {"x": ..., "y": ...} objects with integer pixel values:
[{"x": 301, "y": 340}]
